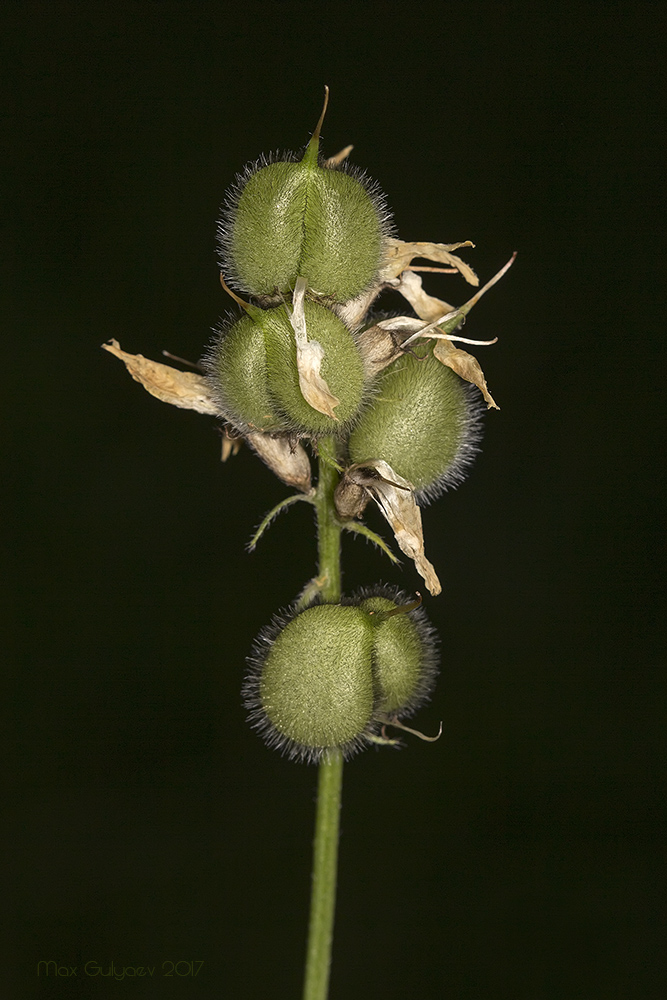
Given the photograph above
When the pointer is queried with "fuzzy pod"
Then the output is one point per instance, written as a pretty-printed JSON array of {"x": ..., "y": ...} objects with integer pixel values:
[
  {"x": 253, "y": 371},
  {"x": 310, "y": 684},
  {"x": 405, "y": 660},
  {"x": 289, "y": 217},
  {"x": 425, "y": 422},
  {"x": 237, "y": 371}
]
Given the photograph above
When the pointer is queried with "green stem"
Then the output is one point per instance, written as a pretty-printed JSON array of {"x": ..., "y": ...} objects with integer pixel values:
[
  {"x": 325, "y": 845},
  {"x": 325, "y": 866}
]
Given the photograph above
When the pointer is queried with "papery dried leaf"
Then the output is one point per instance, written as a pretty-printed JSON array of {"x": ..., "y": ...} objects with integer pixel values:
[
  {"x": 288, "y": 460},
  {"x": 395, "y": 498},
  {"x": 314, "y": 388},
  {"x": 465, "y": 365},
  {"x": 183, "y": 389},
  {"x": 309, "y": 356},
  {"x": 400, "y": 255}
]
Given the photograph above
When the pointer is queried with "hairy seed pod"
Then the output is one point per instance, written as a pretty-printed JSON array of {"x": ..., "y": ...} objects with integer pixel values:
[
  {"x": 293, "y": 218},
  {"x": 310, "y": 685},
  {"x": 253, "y": 371},
  {"x": 425, "y": 422},
  {"x": 238, "y": 375},
  {"x": 405, "y": 662}
]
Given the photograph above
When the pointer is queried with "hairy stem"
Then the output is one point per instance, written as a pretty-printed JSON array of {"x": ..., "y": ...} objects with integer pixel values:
[{"x": 325, "y": 845}]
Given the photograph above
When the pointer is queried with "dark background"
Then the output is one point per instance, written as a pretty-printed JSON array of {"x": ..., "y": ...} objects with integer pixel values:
[{"x": 518, "y": 857}]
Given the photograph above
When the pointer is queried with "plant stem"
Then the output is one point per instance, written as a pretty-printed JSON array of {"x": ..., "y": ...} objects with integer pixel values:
[
  {"x": 325, "y": 865},
  {"x": 325, "y": 845},
  {"x": 328, "y": 527}
]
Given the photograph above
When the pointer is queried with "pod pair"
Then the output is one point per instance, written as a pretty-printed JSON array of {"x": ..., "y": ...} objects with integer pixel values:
[
  {"x": 312, "y": 218},
  {"x": 254, "y": 372},
  {"x": 327, "y": 677}
]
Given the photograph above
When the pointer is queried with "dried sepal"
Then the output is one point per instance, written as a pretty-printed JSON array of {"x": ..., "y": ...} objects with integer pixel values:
[
  {"x": 380, "y": 345},
  {"x": 351, "y": 496},
  {"x": 441, "y": 320},
  {"x": 354, "y": 311},
  {"x": 384, "y": 342},
  {"x": 286, "y": 458},
  {"x": 396, "y": 499},
  {"x": 309, "y": 357},
  {"x": 186, "y": 390}
]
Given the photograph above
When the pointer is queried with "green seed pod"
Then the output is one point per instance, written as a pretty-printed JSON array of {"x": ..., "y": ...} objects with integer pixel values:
[
  {"x": 310, "y": 684},
  {"x": 289, "y": 217},
  {"x": 253, "y": 371},
  {"x": 425, "y": 422}
]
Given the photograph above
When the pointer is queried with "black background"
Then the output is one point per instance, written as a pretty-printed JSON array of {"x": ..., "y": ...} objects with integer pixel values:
[{"x": 519, "y": 856}]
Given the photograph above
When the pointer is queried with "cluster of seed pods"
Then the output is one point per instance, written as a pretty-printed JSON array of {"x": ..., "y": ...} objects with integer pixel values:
[{"x": 303, "y": 239}]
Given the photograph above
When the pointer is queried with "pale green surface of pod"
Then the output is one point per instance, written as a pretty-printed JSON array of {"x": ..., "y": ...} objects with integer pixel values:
[
  {"x": 404, "y": 654},
  {"x": 425, "y": 422},
  {"x": 237, "y": 370},
  {"x": 310, "y": 687},
  {"x": 290, "y": 219}
]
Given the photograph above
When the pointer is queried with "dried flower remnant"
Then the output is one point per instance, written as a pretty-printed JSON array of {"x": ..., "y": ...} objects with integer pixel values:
[
  {"x": 309, "y": 357},
  {"x": 287, "y": 459},
  {"x": 186, "y": 390},
  {"x": 442, "y": 327},
  {"x": 400, "y": 256},
  {"x": 395, "y": 497}
]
